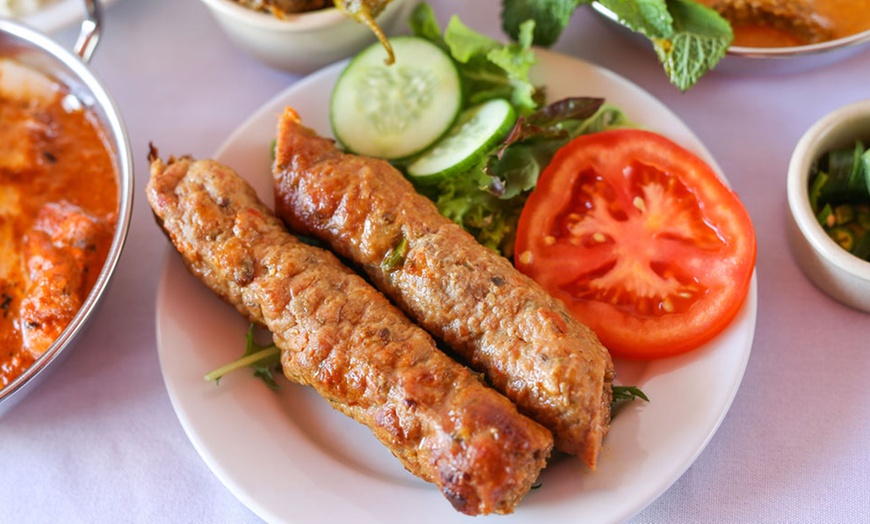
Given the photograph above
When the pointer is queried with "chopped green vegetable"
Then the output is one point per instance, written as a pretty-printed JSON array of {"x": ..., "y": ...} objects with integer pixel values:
[
  {"x": 261, "y": 358},
  {"x": 839, "y": 193},
  {"x": 816, "y": 189},
  {"x": 865, "y": 166},
  {"x": 688, "y": 38},
  {"x": 843, "y": 236},
  {"x": 843, "y": 214},
  {"x": 826, "y": 216},
  {"x": 862, "y": 247},
  {"x": 395, "y": 258}
]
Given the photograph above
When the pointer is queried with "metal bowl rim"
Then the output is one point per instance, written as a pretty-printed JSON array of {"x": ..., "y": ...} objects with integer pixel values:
[
  {"x": 770, "y": 52},
  {"x": 32, "y": 38}
]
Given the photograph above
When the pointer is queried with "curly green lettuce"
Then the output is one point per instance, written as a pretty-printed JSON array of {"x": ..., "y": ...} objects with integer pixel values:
[{"x": 486, "y": 200}]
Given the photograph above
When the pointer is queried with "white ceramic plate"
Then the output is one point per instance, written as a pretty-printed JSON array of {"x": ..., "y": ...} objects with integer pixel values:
[
  {"x": 290, "y": 457},
  {"x": 59, "y": 14}
]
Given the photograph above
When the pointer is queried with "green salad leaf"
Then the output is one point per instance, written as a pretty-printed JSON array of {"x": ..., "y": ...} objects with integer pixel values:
[
  {"x": 489, "y": 68},
  {"x": 688, "y": 38},
  {"x": 487, "y": 198}
]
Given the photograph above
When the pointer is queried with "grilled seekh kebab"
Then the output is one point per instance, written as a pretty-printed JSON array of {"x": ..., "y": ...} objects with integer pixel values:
[
  {"x": 499, "y": 321},
  {"x": 346, "y": 340}
]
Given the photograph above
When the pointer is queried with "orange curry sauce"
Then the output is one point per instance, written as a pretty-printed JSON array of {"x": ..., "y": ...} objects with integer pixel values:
[
  {"x": 836, "y": 18},
  {"x": 58, "y": 207}
]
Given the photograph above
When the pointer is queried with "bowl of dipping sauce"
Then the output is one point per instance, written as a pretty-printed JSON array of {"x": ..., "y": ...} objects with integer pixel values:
[
  {"x": 301, "y": 42},
  {"x": 828, "y": 188},
  {"x": 782, "y": 36},
  {"x": 66, "y": 200}
]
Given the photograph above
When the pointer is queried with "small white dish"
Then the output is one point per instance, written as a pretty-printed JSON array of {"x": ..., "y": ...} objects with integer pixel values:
[
  {"x": 307, "y": 41},
  {"x": 832, "y": 269}
]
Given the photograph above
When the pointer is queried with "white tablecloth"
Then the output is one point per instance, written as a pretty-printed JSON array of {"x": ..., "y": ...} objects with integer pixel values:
[{"x": 99, "y": 441}]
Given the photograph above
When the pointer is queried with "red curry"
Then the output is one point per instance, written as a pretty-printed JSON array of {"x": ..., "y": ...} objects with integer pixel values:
[{"x": 58, "y": 207}]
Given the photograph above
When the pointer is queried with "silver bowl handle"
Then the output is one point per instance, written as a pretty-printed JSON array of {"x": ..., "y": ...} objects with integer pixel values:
[{"x": 89, "y": 35}]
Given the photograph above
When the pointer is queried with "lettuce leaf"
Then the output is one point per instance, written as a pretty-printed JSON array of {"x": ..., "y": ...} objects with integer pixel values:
[
  {"x": 487, "y": 198},
  {"x": 688, "y": 38},
  {"x": 488, "y": 68}
]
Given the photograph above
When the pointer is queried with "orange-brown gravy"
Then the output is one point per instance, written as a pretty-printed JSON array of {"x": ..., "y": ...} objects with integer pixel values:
[
  {"x": 58, "y": 207},
  {"x": 786, "y": 23}
]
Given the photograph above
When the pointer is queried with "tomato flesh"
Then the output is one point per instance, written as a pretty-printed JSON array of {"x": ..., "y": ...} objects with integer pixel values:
[{"x": 642, "y": 241}]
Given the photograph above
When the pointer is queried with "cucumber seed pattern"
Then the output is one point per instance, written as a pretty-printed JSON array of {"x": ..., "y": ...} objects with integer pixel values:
[{"x": 392, "y": 99}]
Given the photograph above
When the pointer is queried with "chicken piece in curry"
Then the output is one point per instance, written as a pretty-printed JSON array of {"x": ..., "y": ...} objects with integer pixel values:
[{"x": 58, "y": 208}]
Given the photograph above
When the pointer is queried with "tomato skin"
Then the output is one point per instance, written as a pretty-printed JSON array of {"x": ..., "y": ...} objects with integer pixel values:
[{"x": 641, "y": 239}]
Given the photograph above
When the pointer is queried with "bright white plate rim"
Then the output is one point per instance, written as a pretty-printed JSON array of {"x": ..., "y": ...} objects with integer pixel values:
[
  {"x": 286, "y": 471},
  {"x": 58, "y": 15}
]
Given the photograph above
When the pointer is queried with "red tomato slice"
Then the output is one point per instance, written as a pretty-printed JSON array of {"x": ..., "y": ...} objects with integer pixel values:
[{"x": 642, "y": 241}]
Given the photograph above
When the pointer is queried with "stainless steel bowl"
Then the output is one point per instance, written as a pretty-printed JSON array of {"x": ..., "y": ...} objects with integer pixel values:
[
  {"x": 766, "y": 60},
  {"x": 43, "y": 54}
]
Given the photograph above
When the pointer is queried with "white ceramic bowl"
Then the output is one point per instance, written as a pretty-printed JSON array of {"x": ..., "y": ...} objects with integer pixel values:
[
  {"x": 840, "y": 274},
  {"x": 770, "y": 60},
  {"x": 305, "y": 42}
]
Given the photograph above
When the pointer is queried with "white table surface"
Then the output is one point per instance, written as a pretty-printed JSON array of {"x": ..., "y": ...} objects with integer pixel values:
[{"x": 99, "y": 441}]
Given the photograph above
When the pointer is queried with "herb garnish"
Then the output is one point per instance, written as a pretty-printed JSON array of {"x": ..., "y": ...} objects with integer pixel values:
[
  {"x": 262, "y": 358},
  {"x": 689, "y": 38}
]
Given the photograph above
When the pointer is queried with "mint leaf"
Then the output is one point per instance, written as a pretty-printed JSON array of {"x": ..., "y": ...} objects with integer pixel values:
[
  {"x": 689, "y": 38},
  {"x": 700, "y": 39},
  {"x": 649, "y": 17}
]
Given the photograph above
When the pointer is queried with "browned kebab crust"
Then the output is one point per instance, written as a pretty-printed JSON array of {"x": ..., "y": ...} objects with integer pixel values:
[
  {"x": 346, "y": 340},
  {"x": 497, "y": 319}
]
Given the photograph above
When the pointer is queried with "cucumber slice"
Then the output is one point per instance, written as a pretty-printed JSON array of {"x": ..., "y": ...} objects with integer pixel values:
[
  {"x": 395, "y": 111},
  {"x": 475, "y": 132}
]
